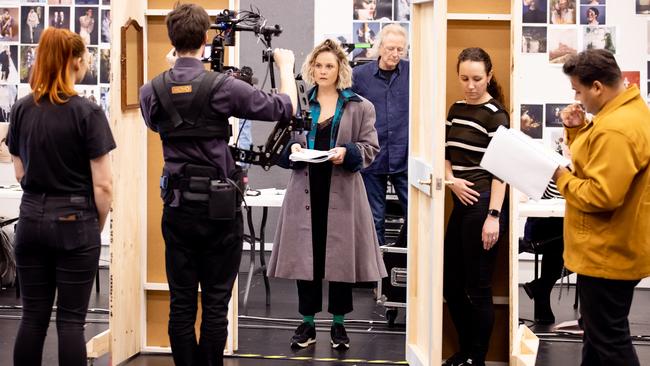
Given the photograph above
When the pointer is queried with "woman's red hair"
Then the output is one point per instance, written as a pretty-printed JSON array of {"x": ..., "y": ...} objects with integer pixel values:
[{"x": 51, "y": 72}]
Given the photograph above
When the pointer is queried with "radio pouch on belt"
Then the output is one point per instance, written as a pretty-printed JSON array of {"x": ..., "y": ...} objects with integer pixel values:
[
  {"x": 223, "y": 201},
  {"x": 221, "y": 194}
]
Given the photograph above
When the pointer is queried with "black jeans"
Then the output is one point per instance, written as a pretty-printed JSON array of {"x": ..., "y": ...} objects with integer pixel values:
[
  {"x": 207, "y": 252},
  {"x": 57, "y": 253},
  {"x": 605, "y": 306},
  {"x": 468, "y": 268}
]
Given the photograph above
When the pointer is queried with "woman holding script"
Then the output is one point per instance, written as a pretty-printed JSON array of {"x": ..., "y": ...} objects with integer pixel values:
[
  {"x": 476, "y": 222},
  {"x": 325, "y": 229}
]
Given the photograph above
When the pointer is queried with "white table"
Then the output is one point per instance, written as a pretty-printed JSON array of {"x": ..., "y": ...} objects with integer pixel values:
[
  {"x": 10, "y": 201},
  {"x": 542, "y": 208},
  {"x": 270, "y": 197}
]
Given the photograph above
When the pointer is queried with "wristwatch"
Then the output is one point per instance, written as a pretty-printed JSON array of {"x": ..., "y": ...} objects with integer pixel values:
[{"x": 494, "y": 213}]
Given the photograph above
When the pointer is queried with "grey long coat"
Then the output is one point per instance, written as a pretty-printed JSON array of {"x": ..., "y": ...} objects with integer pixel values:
[{"x": 352, "y": 253}]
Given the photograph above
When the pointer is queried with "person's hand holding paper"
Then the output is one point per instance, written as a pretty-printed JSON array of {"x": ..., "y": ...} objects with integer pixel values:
[{"x": 521, "y": 162}]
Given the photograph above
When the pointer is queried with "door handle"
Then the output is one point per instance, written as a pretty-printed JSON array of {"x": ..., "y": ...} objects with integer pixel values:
[{"x": 426, "y": 182}]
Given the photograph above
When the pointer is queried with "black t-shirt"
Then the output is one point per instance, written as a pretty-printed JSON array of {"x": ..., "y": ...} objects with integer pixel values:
[
  {"x": 387, "y": 74},
  {"x": 56, "y": 143}
]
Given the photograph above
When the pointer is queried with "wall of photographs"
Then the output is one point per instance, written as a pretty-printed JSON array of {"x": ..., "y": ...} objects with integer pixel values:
[
  {"x": 554, "y": 29},
  {"x": 21, "y": 24},
  {"x": 358, "y": 21}
]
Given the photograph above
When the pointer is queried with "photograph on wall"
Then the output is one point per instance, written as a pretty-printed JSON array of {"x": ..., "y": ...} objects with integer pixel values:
[
  {"x": 27, "y": 58},
  {"x": 106, "y": 26},
  {"x": 642, "y": 6},
  {"x": 648, "y": 39},
  {"x": 59, "y": 2},
  {"x": 556, "y": 140},
  {"x": 593, "y": 15},
  {"x": 104, "y": 99},
  {"x": 59, "y": 17},
  {"x": 31, "y": 24},
  {"x": 91, "y": 73},
  {"x": 33, "y": 1},
  {"x": 106, "y": 2},
  {"x": 532, "y": 120},
  {"x": 563, "y": 11},
  {"x": 593, "y": 2},
  {"x": 86, "y": 2},
  {"x": 105, "y": 66},
  {"x": 8, "y": 95},
  {"x": 9, "y": 64},
  {"x": 562, "y": 43},
  {"x": 402, "y": 10},
  {"x": 364, "y": 32},
  {"x": 86, "y": 24},
  {"x": 89, "y": 92},
  {"x": 552, "y": 114},
  {"x": 533, "y": 39},
  {"x": 372, "y": 10},
  {"x": 534, "y": 11},
  {"x": 599, "y": 38},
  {"x": 631, "y": 78},
  {"x": 9, "y": 24}
]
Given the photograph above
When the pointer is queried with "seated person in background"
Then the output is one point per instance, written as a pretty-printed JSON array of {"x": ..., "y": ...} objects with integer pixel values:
[{"x": 546, "y": 232}]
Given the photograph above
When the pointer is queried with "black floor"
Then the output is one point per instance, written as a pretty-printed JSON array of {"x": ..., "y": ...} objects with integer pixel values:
[{"x": 264, "y": 341}]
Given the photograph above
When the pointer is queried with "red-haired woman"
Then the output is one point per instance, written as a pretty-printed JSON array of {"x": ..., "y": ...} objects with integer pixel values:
[{"x": 60, "y": 144}]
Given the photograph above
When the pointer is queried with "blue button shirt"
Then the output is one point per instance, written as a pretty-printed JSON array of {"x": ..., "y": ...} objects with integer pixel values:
[{"x": 391, "y": 101}]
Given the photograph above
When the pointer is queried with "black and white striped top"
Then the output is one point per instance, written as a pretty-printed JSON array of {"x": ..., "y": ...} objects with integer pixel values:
[
  {"x": 551, "y": 191},
  {"x": 470, "y": 128}
]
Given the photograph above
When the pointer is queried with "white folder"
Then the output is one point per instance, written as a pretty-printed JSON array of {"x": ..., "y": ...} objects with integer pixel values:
[{"x": 521, "y": 161}]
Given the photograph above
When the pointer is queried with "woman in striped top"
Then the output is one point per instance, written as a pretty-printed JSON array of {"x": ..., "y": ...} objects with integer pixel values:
[{"x": 476, "y": 222}]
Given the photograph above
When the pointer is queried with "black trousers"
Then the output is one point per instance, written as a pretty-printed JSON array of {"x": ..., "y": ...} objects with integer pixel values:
[
  {"x": 206, "y": 252},
  {"x": 310, "y": 293},
  {"x": 605, "y": 306},
  {"x": 467, "y": 283},
  {"x": 549, "y": 231},
  {"x": 57, "y": 253}
]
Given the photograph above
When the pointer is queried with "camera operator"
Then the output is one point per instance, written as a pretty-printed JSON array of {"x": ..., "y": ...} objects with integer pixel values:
[{"x": 202, "y": 223}]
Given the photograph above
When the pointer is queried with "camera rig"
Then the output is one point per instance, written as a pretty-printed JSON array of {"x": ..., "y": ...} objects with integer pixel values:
[{"x": 227, "y": 23}]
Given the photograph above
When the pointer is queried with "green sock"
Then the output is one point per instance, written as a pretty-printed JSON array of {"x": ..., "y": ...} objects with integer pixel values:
[
  {"x": 308, "y": 319},
  {"x": 339, "y": 319}
]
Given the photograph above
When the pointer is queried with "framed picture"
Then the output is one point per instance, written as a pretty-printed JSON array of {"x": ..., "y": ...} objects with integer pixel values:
[
  {"x": 599, "y": 38},
  {"x": 562, "y": 43},
  {"x": 532, "y": 120},
  {"x": 86, "y": 24},
  {"x": 534, "y": 39},
  {"x": 31, "y": 23},
  {"x": 552, "y": 114},
  {"x": 534, "y": 11}
]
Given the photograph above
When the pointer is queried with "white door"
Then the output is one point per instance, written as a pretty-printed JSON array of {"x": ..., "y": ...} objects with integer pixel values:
[{"x": 426, "y": 183}]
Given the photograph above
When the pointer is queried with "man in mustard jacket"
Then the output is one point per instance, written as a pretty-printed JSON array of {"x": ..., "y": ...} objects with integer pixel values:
[{"x": 606, "y": 230}]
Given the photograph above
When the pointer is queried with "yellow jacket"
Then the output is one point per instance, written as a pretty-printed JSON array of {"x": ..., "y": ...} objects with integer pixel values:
[{"x": 607, "y": 219}]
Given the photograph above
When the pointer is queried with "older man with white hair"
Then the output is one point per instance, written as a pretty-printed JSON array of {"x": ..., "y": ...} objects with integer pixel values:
[{"x": 385, "y": 82}]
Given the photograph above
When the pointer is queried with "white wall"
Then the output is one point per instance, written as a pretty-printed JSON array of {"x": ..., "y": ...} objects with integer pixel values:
[{"x": 540, "y": 82}]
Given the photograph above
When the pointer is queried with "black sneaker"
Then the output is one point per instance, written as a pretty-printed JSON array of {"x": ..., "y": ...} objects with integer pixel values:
[
  {"x": 457, "y": 359},
  {"x": 340, "y": 339},
  {"x": 470, "y": 362},
  {"x": 304, "y": 336}
]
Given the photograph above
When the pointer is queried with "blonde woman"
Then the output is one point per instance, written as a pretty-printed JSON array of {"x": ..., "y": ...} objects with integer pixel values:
[{"x": 326, "y": 230}]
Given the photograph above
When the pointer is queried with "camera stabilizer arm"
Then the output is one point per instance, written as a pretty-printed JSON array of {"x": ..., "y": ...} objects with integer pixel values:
[
  {"x": 268, "y": 154},
  {"x": 227, "y": 24}
]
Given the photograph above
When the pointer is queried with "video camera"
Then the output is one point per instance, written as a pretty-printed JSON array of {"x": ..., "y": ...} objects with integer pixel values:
[{"x": 227, "y": 23}]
